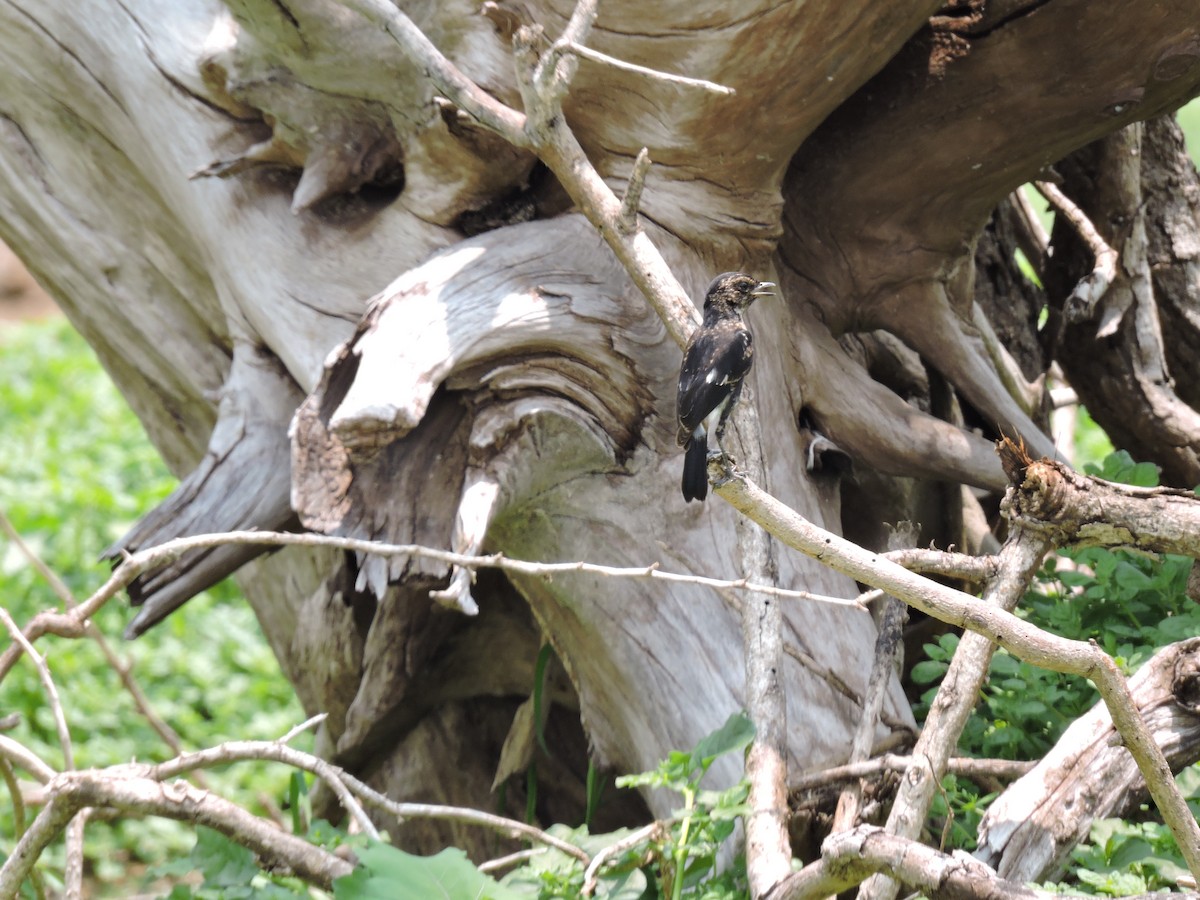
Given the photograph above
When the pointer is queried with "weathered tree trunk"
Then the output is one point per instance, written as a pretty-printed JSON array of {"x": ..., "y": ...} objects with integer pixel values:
[{"x": 462, "y": 361}]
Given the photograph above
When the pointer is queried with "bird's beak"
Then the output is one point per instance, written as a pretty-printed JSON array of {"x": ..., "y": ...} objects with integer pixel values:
[{"x": 764, "y": 289}]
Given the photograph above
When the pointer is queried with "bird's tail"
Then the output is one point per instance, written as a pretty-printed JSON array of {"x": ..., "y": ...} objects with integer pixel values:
[{"x": 695, "y": 468}]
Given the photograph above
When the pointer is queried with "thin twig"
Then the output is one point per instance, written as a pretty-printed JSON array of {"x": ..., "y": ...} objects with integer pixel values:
[
  {"x": 51, "y": 577},
  {"x": 1092, "y": 286},
  {"x": 631, "y": 840},
  {"x": 20, "y": 755},
  {"x": 656, "y": 74},
  {"x": 943, "y": 562},
  {"x": 304, "y": 726},
  {"x": 512, "y": 859},
  {"x": 510, "y": 827},
  {"x": 121, "y": 666},
  {"x": 1032, "y": 236},
  {"x": 18, "y": 810},
  {"x": 233, "y": 751},
  {"x": 73, "y": 872},
  {"x": 968, "y": 767},
  {"x": 14, "y": 791},
  {"x": 56, "y": 708},
  {"x": 891, "y": 624},
  {"x": 73, "y": 623}
]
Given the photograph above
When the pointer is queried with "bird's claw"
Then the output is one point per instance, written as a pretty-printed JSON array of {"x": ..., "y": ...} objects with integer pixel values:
[
  {"x": 729, "y": 472},
  {"x": 729, "y": 469}
]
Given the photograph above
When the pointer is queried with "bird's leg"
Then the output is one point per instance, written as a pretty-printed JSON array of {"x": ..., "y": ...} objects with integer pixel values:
[{"x": 727, "y": 461}]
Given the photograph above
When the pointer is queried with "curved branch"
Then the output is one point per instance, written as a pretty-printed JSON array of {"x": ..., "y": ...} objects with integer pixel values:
[
  {"x": 849, "y": 857},
  {"x": 1020, "y": 638}
]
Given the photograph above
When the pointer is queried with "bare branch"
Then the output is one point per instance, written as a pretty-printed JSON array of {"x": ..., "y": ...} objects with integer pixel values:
[
  {"x": 73, "y": 791},
  {"x": 1023, "y": 640},
  {"x": 458, "y": 88},
  {"x": 311, "y": 722},
  {"x": 73, "y": 874},
  {"x": 645, "y": 833},
  {"x": 122, "y": 667},
  {"x": 942, "y": 562},
  {"x": 768, "y": 848},
  {"x": 1082, "y": 302},
  {"x": 511, "y": 859},
  {"x": 56, "y": 709},
  {"x": 47, "y": 826},
  {"x": 597, "y": 56},
  {"x": 969, "y": 767},
  {"x": 343, "y": 783},
  {"x": 891, "y": 625},
  {"x": 1019, "y": 559},
  {"x": 543, "y": 129},
  {"x": 847, "y": 858},
  {"x": 20, "y": 755},
  {"x": 233, "y": 751}
]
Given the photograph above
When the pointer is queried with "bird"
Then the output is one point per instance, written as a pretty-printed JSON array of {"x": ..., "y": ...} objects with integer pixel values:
[{"x": 716, "y": 360}]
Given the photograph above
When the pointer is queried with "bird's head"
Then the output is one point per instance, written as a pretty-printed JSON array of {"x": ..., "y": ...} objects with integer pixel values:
[{"x": 736, "y": 290}]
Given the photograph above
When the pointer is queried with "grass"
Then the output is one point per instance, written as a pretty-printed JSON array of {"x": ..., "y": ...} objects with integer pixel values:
[{"x": 76, "y": 470}]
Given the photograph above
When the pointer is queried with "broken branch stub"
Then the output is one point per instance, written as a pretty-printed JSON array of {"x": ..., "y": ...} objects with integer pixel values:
[{"x": 1081, "y": 510}]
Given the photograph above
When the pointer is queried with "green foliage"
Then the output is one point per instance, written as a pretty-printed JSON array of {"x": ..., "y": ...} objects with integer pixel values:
[
  {"x": 385, "y": 873},
  {"x": 690, "y": 854},
  {"x": 1129, "y": 604},
  {"x": 1125, "y": 858},
  {"x": 76, "y": 470},
  {"x": 1121, "y": 468},
  {"x": 683, "y": 860},
  {"x": 554, "y": 874},
  {"x": 229, "y": 872}
]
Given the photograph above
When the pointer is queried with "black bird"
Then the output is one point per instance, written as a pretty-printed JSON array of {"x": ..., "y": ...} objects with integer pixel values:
[{"x": 717, "y": 358}]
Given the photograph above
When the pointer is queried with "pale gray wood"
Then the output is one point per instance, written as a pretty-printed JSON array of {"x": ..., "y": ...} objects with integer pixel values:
[{"x": 1029, "y": 830}]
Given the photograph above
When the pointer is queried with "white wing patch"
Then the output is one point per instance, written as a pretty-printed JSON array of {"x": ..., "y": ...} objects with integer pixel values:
[{"x": 713, "y": 374}]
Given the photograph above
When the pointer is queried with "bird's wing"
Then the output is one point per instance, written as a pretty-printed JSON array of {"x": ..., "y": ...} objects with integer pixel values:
[{"x": 715, "y": 362}]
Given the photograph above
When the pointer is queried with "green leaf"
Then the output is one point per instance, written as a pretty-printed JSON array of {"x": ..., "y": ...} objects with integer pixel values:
[
  {"x": 928, "y": 671},
  {"x": 224, "y": 863},
  {"x": 298, "y": 802},
  {"x": 386, "y": 873},
  {"x": 736, "y": 734},
  {"x": 629, "y": 885},
  {"x": 1130, "y": 851}
]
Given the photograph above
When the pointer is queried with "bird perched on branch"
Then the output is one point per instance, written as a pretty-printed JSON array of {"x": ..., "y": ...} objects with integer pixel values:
[{"x": 717, "y": 358}]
